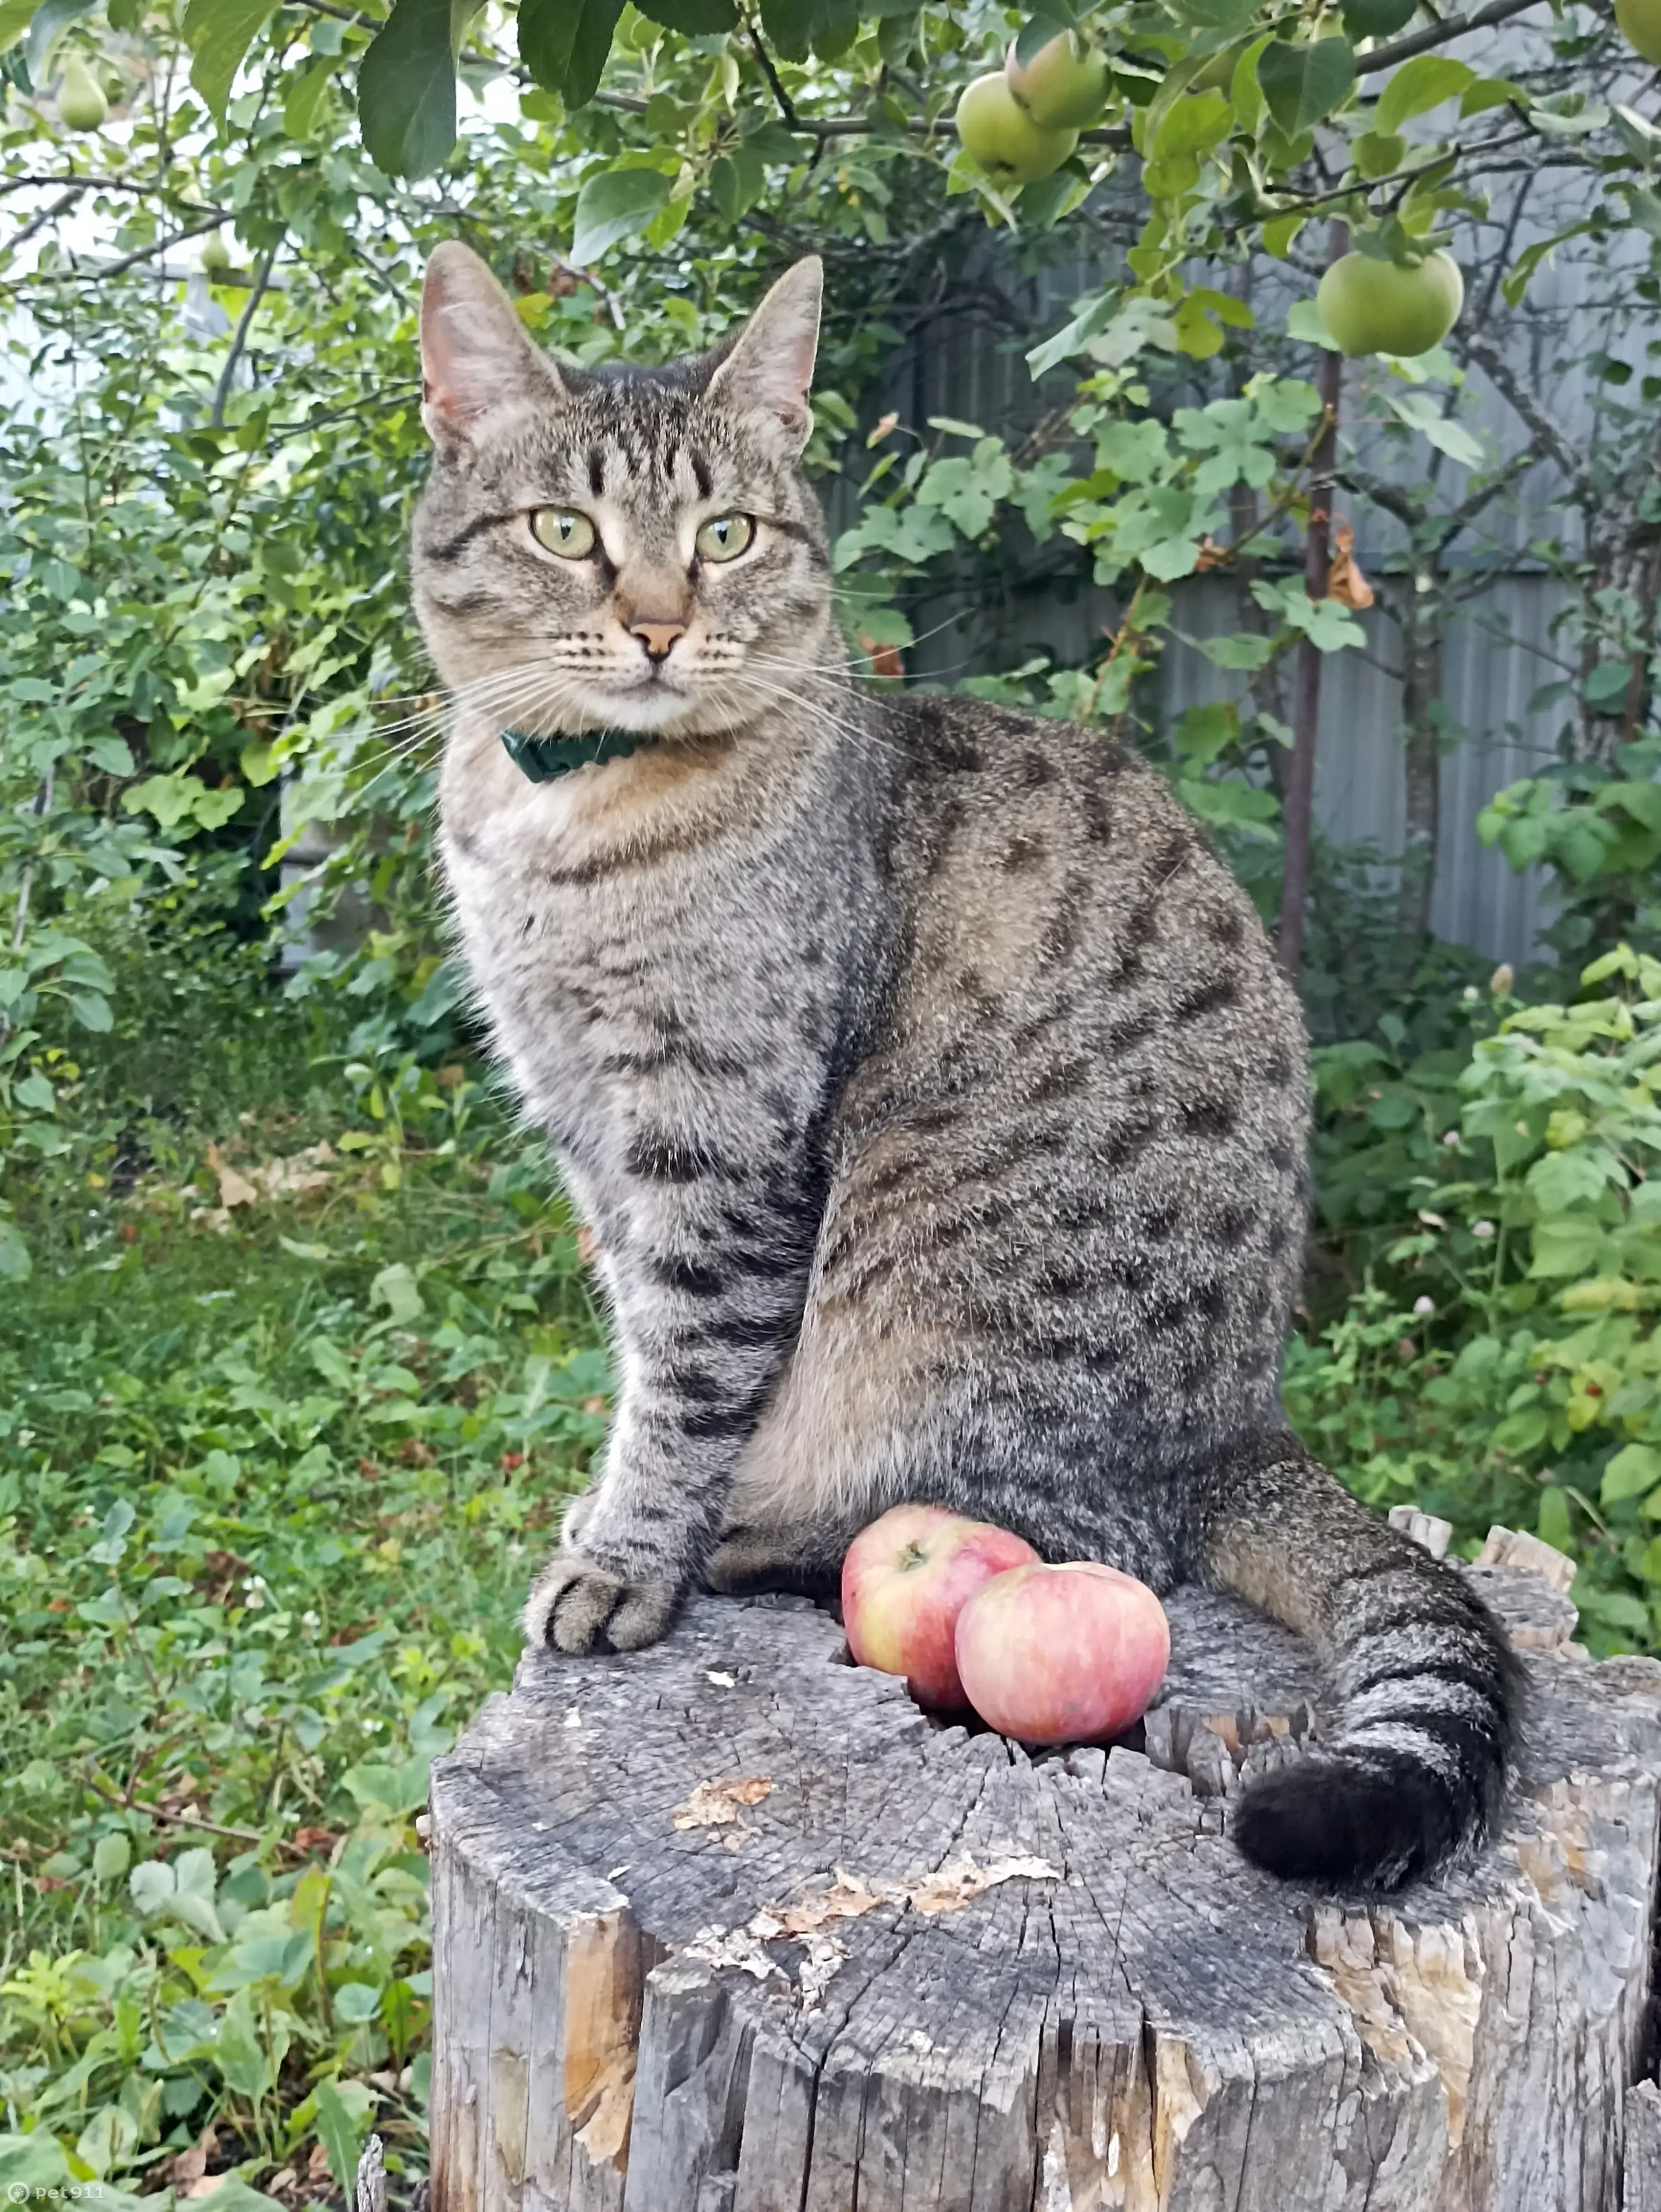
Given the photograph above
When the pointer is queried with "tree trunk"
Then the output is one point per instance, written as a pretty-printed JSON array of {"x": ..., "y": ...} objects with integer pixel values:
[
  {"x": 1422, "y": 695},
  {"x": 730, "y": 1926},
  {"x": 1298, "y": 803}
]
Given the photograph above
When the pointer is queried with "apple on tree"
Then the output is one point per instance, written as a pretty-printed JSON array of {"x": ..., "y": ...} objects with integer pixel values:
[
  {"x": 1387, "y": 307},
  {"x": 904, "y": 1580},
  {"x": 1061, "y": 1655},
  {"x": 1065, "y": 85},
  {"x": 996, "y": 132},
  {"x": 1640, "y": 23}
]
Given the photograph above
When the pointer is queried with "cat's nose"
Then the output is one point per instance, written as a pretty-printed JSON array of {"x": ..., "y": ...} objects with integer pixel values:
[{"x": 657, "y": 636}]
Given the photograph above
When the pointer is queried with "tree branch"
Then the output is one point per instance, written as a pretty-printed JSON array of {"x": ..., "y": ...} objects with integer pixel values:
[
  {"x": 222, "y": 389},
  {"x": 1523, "y": 404},
  {"x": 38, "y": 220},
  {"x": 786, "y": 106},
  {"x": 1439, "y": 34},
  {"x": 857, "y": 126},
  {"x": 78, "y": 274}
]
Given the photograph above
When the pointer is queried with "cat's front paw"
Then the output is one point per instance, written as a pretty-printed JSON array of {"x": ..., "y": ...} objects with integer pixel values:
[{"x": 577, "y": 1605}]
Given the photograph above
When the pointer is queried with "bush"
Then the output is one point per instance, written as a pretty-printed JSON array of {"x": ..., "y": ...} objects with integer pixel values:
[{"x": 1507, "y": 1366}]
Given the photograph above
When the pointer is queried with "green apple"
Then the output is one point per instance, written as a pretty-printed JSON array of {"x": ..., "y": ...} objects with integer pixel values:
[
  {"x": 1065, "y": 85},
  {"x": 997, "y": 131},
  {"x": 1379, "y": 306},
  {"x": 80, "y": 102},
  {"x": 1640, "y": 26}
]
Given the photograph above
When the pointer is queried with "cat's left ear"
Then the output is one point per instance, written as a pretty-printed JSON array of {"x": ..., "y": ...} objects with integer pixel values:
[
  {"x": 475, "y": 355},
  {"x": 771, "y": 367}
]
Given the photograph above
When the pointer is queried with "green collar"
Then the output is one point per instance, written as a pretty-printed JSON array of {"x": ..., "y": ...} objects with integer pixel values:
[{"x": 543, "y": 758}]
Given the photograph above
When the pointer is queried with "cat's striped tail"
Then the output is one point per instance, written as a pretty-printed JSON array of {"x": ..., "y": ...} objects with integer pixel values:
[{"x": 1429, "y": 1689}]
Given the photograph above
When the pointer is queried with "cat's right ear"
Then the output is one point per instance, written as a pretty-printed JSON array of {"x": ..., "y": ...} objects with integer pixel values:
[{"x": 475, "y": 355}]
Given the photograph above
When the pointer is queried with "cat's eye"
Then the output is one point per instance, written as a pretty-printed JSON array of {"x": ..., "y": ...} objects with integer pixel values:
[
  {"x": 724, "y": 537},
  {"x": 563, "y": 532}
]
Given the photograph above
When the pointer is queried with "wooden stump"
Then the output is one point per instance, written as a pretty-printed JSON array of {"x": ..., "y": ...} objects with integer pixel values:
[{"x": 730, "y": 1926}]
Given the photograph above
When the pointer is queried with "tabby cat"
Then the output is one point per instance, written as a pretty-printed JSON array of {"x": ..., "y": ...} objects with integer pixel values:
[{"x": 929, "y": 1082}]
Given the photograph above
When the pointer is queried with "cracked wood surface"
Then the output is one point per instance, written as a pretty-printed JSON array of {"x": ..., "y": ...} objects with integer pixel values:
[{"x": 1094, "y": 2002}]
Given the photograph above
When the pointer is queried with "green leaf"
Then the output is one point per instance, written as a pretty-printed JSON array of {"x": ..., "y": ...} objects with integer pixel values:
[
  {"x": 219, "y": 33},
  {"x": 1377, "y": 19},
  {"x": 238, "y": 2050},
  {"x": 396, "y": 1288},
  {"x": 1566, "y": 1248},
  {"x": 336, "y": 2132},
  {"x": 16, "y": 16},
  {"x": 564, "y": 44},
  {"x": 1244, "y": 651},
  {"x": 1488, "y": 92},
  {"x": 112, "y": 755},
  {"x": 1192, "y": 125},
  {"x": 696, "y": 19},
  {"x": 46, "y": 24},
  {"x": 1420, "y": 411},
  {"x": 1073, "y": 336},
  {"x": 1606, "y": 683},
  {"x": 392, "y": 1791},
  {"x": 15, "y": 1266},
  {"x": 1303, "y": 84},
  {"x": 1534, "y": 257},
  {"x": 1633, "y": 1471},
  {"x": 1378, "y": 153},
  {"x": 111, "y": 1857},
  {"x": 616, "y": 204},
  {"x": 406, "y": 90},
  {"x": 1304, "y": 323},
  {"x": 1420, "y": 85},
  {"x": 300, "y": 105}
]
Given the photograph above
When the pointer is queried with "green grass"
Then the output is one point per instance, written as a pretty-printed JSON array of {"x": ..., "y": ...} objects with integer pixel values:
[{"x": 272, "y": 1483}]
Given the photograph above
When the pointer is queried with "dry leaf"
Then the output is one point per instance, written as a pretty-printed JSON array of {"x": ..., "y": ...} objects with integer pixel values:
[
  {"x": 715, "y": 1804},
  {"x": 234, "y": 1189},
  {"x": 846, "y": 1901},
  {"x": 732, "y": 1947},
  {"x": 818, "y": 1969},
  {"x": 292, "y": 1178},
  {"x": 885, "y": 659},
  {"x": 189, "y": 2167},
  {"x": 587, "y": 1246},
  {"x": 955, "y": 1883},
  {"x": 1211, "y": 555},
  {"x": 1345, "y": 581}
]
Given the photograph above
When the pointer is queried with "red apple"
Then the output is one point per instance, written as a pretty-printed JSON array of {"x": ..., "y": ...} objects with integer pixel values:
[
  {"x": 905, "y": 1582},
  {"x": 1062, "y": 1655}
]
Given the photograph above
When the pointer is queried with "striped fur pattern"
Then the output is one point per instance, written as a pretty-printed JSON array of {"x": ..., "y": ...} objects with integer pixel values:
[{"x": 927, "y": 1080}]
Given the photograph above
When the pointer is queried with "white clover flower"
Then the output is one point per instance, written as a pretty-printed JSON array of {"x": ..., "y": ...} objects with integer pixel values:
[
  {"x": 1424, "y": 1306},
  {"x": 1482, "y": 1228}
]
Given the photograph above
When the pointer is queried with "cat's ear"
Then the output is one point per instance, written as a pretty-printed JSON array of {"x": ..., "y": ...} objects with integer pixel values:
[
  {"x": 771, "y": 367},
  {"x": 475, "y": 355}
]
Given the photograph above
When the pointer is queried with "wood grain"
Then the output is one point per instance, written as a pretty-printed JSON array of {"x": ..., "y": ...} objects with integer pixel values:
[{"x": 925, "y": 1972}]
